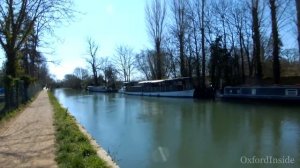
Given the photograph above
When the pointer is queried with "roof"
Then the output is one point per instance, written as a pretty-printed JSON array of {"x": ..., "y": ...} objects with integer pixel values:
[
  {"x": 180, "y": 78},
  {"x": 151, "y": 81},
  {"x": 163, "y": 80}
]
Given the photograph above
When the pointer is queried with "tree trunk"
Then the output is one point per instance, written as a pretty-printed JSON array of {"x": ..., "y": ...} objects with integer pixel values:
[
  {"x": 10, "y": 75},
  {"x": 298, "y": 23},
  {"x": 190, "y": 68},
  {"x": 257, "y": 42},
  {"x": 183, "y": 70},
  {"x": 250, "y": 63},
  {"x": 242, "y": 55},
  {"x": 155, "y": 16},
  {"x": 95, "y": 76},
  {"x": 197, "y": 53},
  {"x": 158, "y": 61},
  {"x": 203, "y": 45},
  {"x": 276, "y": 42}
]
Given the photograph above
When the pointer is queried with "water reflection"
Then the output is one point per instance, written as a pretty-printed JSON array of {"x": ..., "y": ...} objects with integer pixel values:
[{"x": 166, "y": 132}]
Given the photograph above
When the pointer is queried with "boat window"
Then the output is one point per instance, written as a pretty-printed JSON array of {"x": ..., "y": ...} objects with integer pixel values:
[
  {"x": 253, "y": 91},
  {"x": 291, "y": 92}
]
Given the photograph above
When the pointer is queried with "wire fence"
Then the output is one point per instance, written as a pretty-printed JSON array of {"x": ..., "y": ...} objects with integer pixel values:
[{"x": 20, "y": 94}]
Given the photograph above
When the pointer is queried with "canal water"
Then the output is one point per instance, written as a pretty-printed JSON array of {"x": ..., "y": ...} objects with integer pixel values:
[{"x": 152, "y": 132}]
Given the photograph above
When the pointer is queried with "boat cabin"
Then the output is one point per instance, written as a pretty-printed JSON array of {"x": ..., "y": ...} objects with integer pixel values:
[{"x": 167, "y": 85}]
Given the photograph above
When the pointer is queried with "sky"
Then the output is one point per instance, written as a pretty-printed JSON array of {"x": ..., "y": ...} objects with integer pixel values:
[{"x": 109, "y": 23}]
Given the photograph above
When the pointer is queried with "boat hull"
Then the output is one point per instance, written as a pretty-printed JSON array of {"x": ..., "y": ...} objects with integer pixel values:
[{"x": 183, "y": 93}]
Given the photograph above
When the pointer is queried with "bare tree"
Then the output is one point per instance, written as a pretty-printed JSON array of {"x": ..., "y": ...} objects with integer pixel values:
[
  {"x": 81, "y": 73},
  {"x": 298, "y": 22},
  {"x": 110, "y": 74},
  {"x": 171, "y": 60},
  {"x": 155, "y": 17},
  {"x": 203, "y": 42},
  {"x": 125, "y": 61},
  {"x": 276, "y": 41},
  {"x": 194, "y": 27},
  {"x": 239, "y": 15},
  {"x": 18, "y": 18},
  {"x": 145, "y": 63},
  {"x": 179, "y": 10},
  {"x": 141, "y": 64},
  {"x": 92, "y": 59},
  {"x": 200, "y": 28},
  {"x": 256, "y": 38}
]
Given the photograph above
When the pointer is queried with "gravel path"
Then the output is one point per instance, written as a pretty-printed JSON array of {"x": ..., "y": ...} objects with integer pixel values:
[{"x": 28, "y": 140}]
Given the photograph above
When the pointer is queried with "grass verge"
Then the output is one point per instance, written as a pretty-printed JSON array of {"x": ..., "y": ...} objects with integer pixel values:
[{"x": 73, "y": 147}]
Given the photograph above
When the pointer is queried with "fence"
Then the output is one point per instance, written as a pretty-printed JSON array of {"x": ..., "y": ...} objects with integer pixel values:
[{"x": 20, "y": 94}]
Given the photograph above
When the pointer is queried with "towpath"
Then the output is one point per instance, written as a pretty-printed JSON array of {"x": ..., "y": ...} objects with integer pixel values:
[{"x": 28, "y": 140}]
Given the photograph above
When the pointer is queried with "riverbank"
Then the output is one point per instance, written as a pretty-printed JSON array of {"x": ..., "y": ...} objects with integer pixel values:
[
  {"x": 75, "y": 147},
  {"x": 39, "y": 134}
]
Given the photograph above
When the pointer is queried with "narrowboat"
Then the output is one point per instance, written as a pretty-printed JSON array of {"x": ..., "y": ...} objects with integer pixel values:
[{"x": 278, "y": 93}]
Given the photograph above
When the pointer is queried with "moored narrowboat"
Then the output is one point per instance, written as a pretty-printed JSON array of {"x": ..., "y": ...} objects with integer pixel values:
[
  {"x": 279, "y": 93},
  {"x": 178, "y": 87}
]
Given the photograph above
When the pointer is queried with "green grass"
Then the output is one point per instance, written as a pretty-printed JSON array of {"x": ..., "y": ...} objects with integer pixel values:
[{"x": 73, "y": 147}]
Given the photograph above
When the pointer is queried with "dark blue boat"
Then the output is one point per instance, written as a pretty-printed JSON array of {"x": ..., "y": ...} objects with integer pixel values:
[
  {"x": 2, "y": 91},
  {"x": 279, "y": 93}
]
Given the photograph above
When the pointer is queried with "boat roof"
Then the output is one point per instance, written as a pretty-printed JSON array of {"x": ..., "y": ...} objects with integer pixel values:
[
  {"x": 151, "y": 81},
  {"x": 180, "y": 78},
  {"x": 162, "y": 80}
]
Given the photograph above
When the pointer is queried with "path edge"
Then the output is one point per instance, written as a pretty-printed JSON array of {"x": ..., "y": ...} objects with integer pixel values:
[{"x": 100, "y": 151}]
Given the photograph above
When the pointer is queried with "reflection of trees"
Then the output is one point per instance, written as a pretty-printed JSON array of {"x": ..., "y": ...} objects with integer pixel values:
[
  {"x": 95, "y": 103},
  {"x": 153, "y": 109},
  {"x": 226, "y": 122},
  {"x": 276, "y": 132},
  {"x": 193, "y": 132},
  {"x": 68, "y": 92},
  {"x": 256, "y": 126},
  {"x": 186, "y": 129},
  {"x": 266, "y": 127},
  {"x": 164, "y": 115}
]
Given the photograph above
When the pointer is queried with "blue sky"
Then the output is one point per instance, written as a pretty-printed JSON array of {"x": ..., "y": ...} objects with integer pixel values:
[{"x": 108, "y": 22}]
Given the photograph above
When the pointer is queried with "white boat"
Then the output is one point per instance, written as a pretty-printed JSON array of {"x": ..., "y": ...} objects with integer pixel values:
[{"x": 179, "y": 87}]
